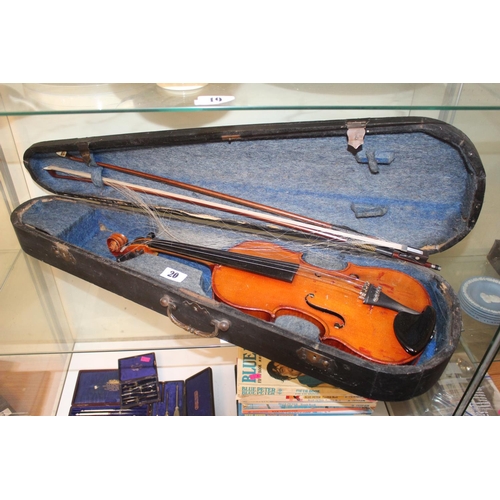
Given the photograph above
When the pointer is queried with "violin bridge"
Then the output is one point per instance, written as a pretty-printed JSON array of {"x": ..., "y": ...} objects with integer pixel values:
[
  {"x": 374, "y": 296},
  {"x": 364, "y": 292}
]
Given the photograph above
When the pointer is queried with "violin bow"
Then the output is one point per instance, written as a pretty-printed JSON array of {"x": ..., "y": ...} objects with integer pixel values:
[
  {"x": 273, "y": 215},
  {"x": 204, "y": 191}
]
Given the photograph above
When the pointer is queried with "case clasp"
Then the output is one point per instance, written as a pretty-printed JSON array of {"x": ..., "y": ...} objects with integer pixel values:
[{"x": 356, "y": 134}]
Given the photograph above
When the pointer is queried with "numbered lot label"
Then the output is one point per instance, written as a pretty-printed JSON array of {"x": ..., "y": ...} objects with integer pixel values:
[{"x": 173, "y": 275}]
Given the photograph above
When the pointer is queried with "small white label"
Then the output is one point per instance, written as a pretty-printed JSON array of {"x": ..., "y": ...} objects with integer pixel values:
[
  {"x": 210, "y": 100},
  {"x": 173, "y": 275}
]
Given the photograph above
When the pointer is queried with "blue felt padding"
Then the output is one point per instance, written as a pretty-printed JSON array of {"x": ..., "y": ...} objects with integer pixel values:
[
  {"x": 159, "y": 408},
  {"x": 97, "y": 387},
  {"x": 131, "y": 374},
  {"x": 174, "y": 394},
  {"x": 137, "y": 367},
  {"x": 88, "y": 228},
  {"x": 381, "y": 157}
]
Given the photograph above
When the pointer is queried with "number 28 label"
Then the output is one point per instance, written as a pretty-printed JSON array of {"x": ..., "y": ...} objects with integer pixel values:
[{"x": 173, "y": 275}]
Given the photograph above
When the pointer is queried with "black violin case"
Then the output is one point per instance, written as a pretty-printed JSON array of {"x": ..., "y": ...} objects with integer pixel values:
[{"x": 416, "y": 181}]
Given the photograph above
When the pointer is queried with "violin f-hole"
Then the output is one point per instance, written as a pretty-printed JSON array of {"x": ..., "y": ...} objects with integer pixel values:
[{"x": 325, "y": 310}]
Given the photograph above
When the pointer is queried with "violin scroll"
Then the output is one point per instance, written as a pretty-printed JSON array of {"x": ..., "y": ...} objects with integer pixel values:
[
  {"x": 119, "y": 247},
  {"x": 116, "y": 242}
]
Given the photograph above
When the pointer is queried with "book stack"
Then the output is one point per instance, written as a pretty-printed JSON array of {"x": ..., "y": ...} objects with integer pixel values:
[{"x": 267, "y": 388}]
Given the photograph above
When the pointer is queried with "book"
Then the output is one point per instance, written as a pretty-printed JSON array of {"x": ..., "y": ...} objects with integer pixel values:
[
  {"x": 310, "y": 409},
  {"x": 265, "y": 387}
]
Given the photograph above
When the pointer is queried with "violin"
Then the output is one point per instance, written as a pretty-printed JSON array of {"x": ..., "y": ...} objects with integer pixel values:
[{"x": 379, "y": 314}]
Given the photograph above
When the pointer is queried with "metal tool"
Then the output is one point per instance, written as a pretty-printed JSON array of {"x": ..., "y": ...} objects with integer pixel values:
[{"x": 176, "y": 411}]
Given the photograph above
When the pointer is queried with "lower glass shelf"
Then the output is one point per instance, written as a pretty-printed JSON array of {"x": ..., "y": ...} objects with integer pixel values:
[
  {"x": 174, "y": 362},
  {"x": 442, "y": 399},
  {"x": 43, "y": 384}
]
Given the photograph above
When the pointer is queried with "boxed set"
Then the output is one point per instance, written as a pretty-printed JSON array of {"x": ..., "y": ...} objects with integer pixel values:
[
  {"x": 133, "y": 389},
  {"x": 308, "y": 243}
]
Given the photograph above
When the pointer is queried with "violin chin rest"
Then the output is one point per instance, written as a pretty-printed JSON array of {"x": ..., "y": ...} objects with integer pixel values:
[{"x": 414, "y": 331}]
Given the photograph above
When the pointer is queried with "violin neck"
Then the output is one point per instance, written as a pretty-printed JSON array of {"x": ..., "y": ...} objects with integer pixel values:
[{"x": 271, "y": 268}]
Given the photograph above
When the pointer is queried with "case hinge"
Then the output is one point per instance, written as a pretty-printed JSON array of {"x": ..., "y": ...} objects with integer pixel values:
[
  {"x": 314, "y": 358},
  {"x": 230, "y": 138}
]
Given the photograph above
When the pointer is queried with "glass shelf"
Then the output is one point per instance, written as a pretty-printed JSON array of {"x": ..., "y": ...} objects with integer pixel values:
[
  {"x": 47, "y": 316},
  {"x": 32, "y": 99}
]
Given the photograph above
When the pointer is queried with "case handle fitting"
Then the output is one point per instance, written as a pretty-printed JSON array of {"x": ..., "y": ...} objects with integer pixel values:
[{"x": 219, "y": 325}]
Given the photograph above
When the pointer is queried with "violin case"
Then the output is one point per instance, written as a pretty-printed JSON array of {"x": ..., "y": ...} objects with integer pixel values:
[{"x": 412, "y": 180}]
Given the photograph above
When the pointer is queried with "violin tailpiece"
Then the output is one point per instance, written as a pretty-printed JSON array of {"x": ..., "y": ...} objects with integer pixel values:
[{"x": 415, "y": 331}]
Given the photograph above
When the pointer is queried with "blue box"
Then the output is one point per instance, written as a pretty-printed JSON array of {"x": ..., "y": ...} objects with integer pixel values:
[
  {"x": 97, "y": 393},
  {"x": 139, "y": 383},
  {"x": 191, "y": 397}
]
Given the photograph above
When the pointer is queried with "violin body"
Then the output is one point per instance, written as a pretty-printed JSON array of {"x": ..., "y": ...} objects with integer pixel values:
[{"x": 324, "y": 298}]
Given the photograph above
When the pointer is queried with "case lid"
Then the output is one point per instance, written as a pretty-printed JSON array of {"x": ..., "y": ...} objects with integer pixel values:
[
  {"x": 97, "y": 387},
  {"x": 416, "y": 181},
  {"x": 200, "y": 394}
]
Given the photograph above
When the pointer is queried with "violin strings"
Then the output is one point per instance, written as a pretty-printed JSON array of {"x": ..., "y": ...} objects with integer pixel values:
[
  {"x": 348, "y": 283},
  {"x": 160, "y": 228}
]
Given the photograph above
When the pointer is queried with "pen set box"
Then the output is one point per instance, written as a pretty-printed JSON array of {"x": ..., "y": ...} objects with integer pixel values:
[
  {"x": 193, "y": 397},
  {"x": 98, "y": 392},
  {"x": 138, "y": 380},
  {"x": 134, "y": 390},
  {"x": 336, "y": 281}
]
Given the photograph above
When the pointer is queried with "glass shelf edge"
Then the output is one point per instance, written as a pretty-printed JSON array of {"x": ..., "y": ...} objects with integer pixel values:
[
  {"x": 191, "y": 109},
  {"x": 130, "y": 345}
]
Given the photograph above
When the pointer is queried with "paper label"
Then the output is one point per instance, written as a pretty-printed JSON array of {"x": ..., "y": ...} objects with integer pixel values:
[
  {"x": 173, "y": 275},
  {"x": 210, "y": 100}
]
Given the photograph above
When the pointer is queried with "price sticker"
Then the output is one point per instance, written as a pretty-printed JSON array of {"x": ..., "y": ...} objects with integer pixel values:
[
  {"x": 211, "y": 100},
  {"x": 173, "y": 275}
]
